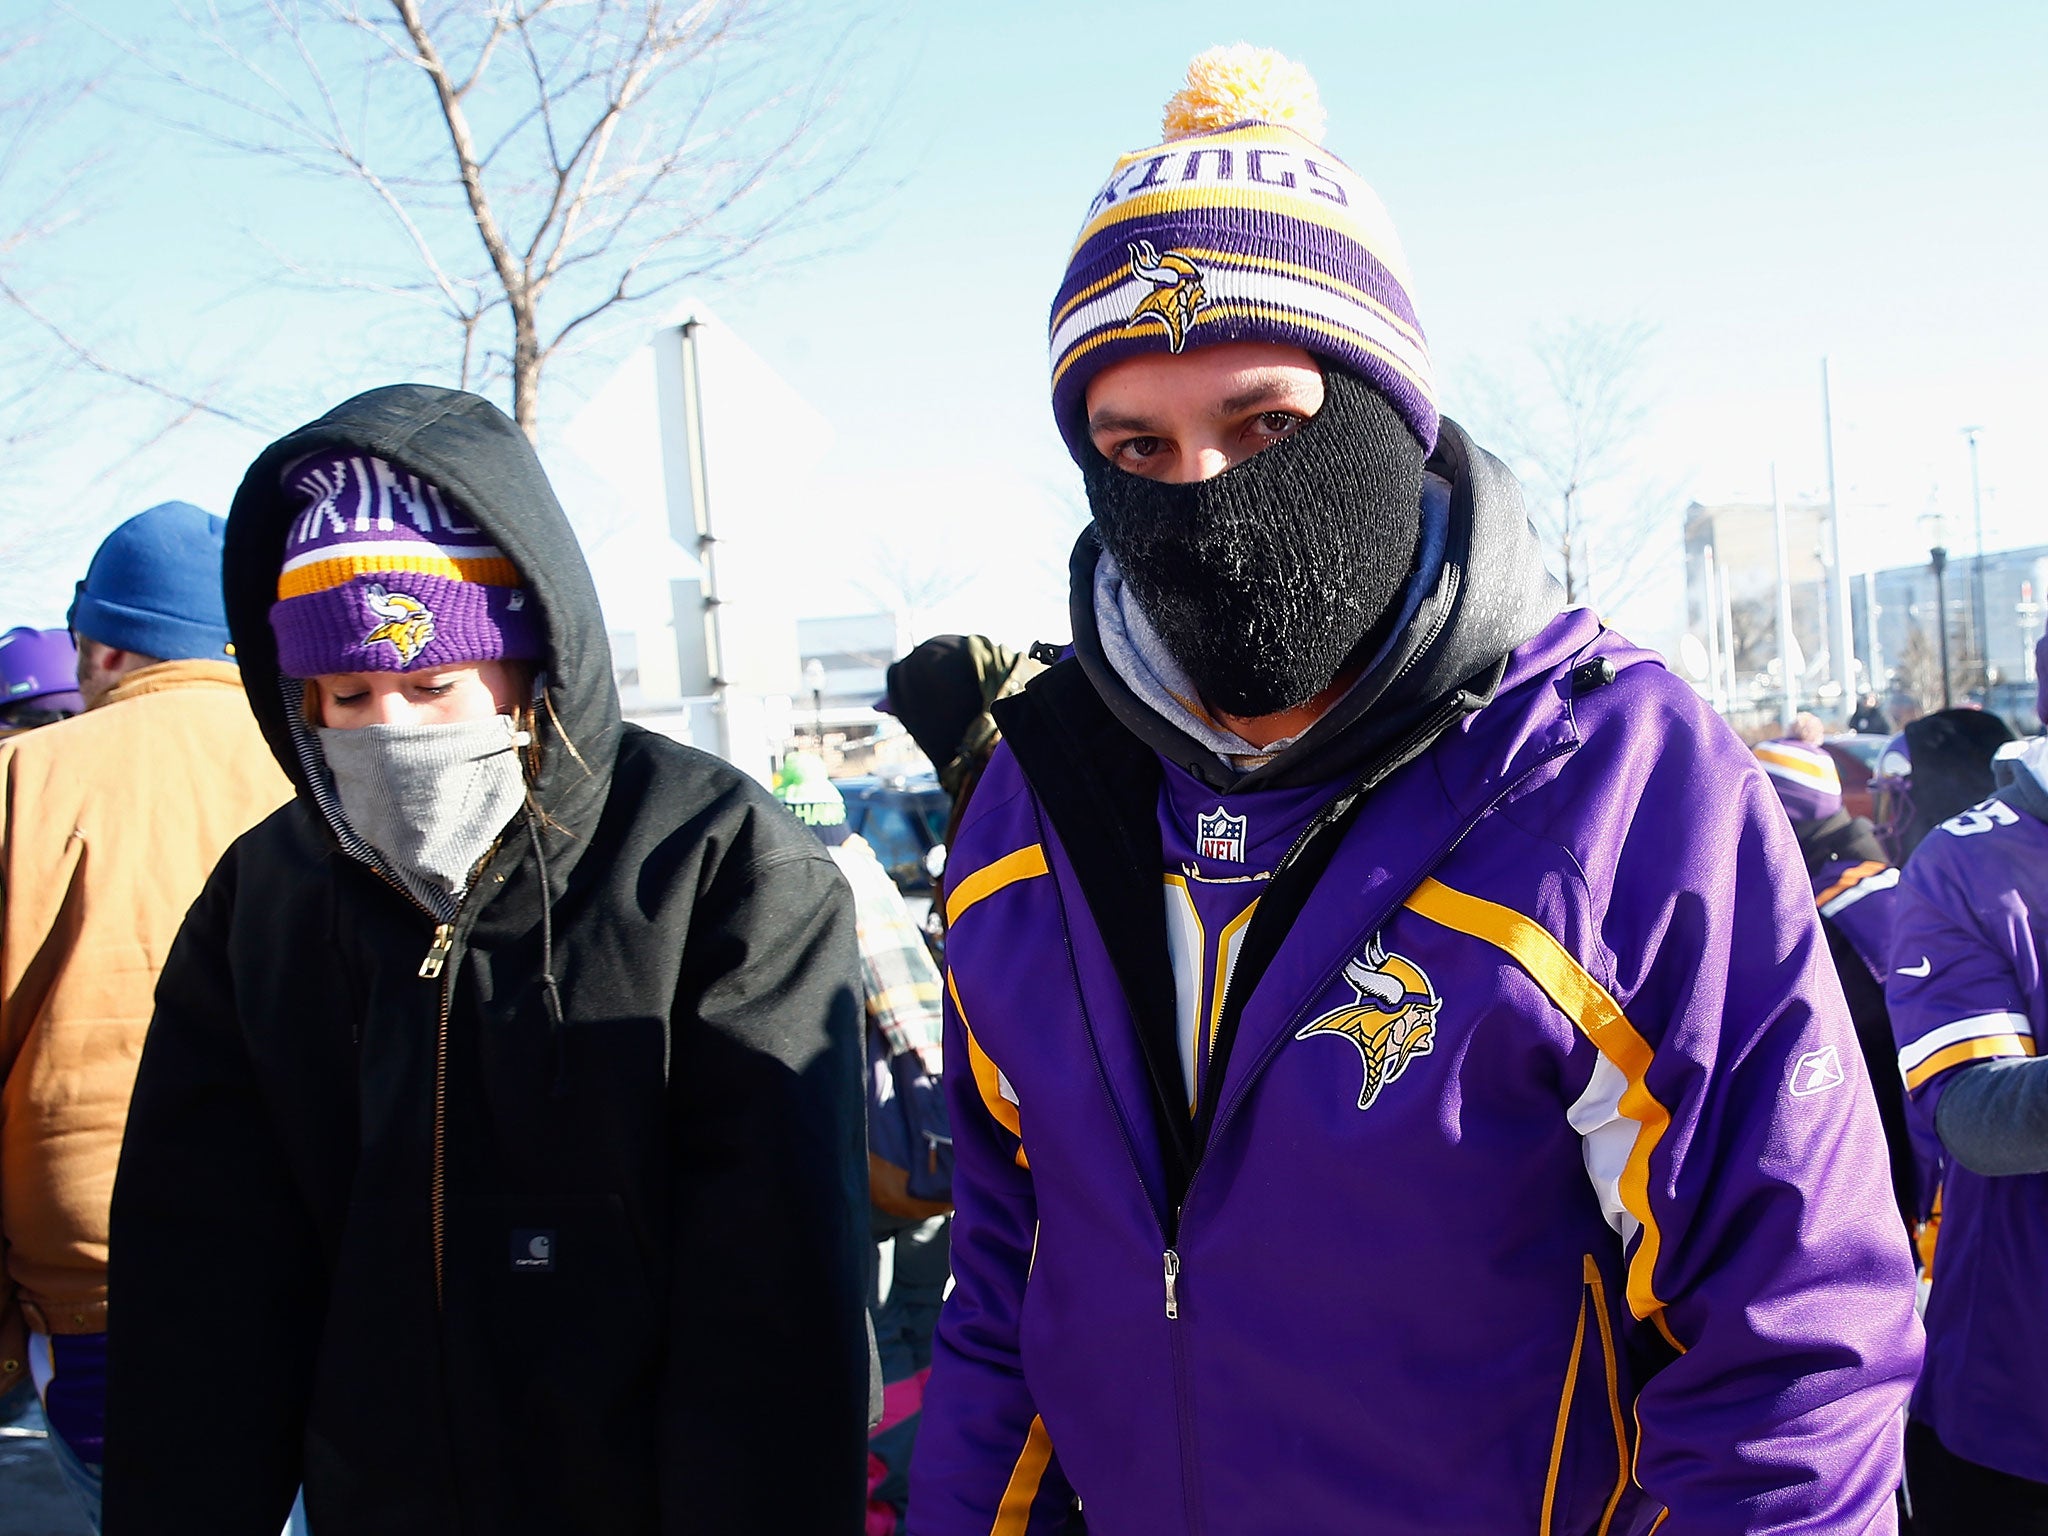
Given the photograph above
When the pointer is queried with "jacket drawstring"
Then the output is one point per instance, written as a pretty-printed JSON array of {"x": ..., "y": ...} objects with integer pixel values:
[{"x": 549, "y": 990}]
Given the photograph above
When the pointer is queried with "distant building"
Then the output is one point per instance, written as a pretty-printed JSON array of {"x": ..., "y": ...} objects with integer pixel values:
[
  {"x": 2002, "y": 658},
  {"x": 1731, "y": 585}
]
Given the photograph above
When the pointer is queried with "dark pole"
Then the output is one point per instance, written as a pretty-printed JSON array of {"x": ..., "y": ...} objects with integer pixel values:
[
  {"x": 1939, "y": 557},
  {"x": 818, "y": 713}
]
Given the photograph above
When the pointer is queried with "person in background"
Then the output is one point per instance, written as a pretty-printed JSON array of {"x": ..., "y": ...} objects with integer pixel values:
[
  {"x": 38, "y": 679},
  {"x": 1968, "y": 994},
  {"x": 942, "y": 692},
  {"x": 110, "y": 823},
  {"x": 1937, "y": 766},
  {"x": 1870, "y": 718},
  {"x": 495, "y": 1161},
  {"x": 1855, "y": 889},
  {"x": 1408, "y": 1091},
  {"x": 910, "y": 1144}
]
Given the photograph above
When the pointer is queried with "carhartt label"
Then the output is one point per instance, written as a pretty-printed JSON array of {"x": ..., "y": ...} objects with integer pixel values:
[{"x": 533, "y": 1250}]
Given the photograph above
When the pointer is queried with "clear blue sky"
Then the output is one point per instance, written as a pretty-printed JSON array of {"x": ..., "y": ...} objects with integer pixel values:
[{"x": 1765, "y": 184}]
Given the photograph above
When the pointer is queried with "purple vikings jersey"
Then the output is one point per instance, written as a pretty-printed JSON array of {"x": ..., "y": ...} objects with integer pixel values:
[
  {"x": 1966, "y": 986},
  {"x": 1220, "y": 852}
]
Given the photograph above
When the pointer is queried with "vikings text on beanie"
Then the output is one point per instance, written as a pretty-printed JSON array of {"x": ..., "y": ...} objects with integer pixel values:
[
  {"x": 1239, "y": 227},
  {"x": 1806, "y": 779},
  {"x": 382, "y": 574}
]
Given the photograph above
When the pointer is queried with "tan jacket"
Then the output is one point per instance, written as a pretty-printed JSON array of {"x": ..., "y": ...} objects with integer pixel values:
[{"x": 109, "y": 825}]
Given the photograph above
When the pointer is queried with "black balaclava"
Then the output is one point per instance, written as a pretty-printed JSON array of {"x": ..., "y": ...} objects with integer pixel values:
[{"x": 1265, "y": 581}]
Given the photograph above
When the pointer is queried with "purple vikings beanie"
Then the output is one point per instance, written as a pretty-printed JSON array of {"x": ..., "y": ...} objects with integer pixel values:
[
  {"x": 382, "y": 574},
  {"x": 1239, "y": 227},
  {"x": 1808, "y": 784}
]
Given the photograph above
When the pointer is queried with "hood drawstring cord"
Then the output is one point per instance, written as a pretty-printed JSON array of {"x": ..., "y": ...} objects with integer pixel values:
[{"x": 549, "y": 990}]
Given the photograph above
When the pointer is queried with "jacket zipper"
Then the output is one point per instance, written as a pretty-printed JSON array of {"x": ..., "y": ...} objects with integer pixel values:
[
  {"x": 1173, "y": 1267},
  {"x": 431, "y": 969},
  {"x": 1183, "y": 1405}
]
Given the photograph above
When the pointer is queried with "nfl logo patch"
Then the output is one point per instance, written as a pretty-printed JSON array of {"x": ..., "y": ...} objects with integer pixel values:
[{"x": 1220, "y": 836}]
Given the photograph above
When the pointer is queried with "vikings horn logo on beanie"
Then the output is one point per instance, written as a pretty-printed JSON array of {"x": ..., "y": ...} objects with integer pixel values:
[
  {"x": 382, "y": 574},
  {"x": 1239, "y": 227}
]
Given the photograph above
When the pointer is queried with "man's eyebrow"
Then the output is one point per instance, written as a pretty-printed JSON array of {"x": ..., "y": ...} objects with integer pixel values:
[
  {"x": 1109, "y": 421},
  {"x": 1261, "y": 392}
]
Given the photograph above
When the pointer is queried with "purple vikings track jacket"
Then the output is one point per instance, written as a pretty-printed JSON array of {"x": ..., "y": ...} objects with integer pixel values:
[
  {"x": 1532, "y": 1182},
  {"x": 1967, "y": 986}
]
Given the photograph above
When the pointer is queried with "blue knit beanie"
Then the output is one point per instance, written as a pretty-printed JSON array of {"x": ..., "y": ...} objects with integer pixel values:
[{"x": 154, "y": 587}]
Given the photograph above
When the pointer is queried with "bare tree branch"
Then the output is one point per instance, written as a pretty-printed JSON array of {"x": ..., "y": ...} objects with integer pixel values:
[
  {"x": 584, "y": 161},
  {"x": 1572, "y": 435},
  {"x": 99, "y": 364}
]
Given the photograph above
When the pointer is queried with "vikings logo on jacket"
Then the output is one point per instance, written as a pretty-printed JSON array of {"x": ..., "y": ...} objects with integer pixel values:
[{"x": 1391, "y": 1021}]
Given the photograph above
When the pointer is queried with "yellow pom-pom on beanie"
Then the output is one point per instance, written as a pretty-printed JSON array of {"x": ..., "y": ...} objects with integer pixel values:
[{"x": 1237, "y": 83}]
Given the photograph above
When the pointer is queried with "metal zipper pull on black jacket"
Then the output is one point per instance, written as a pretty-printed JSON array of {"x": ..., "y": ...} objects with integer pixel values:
[{"x": 437, "y": 956}]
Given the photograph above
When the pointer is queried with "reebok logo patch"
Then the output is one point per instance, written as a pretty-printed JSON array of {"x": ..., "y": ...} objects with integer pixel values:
[{"x": 1816, "y": 1072}]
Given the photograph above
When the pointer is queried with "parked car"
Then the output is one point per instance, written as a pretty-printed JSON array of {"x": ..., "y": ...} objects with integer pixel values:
[
  {"x": 1856, "y": 760},
  {"x": 903, "y": 818}
]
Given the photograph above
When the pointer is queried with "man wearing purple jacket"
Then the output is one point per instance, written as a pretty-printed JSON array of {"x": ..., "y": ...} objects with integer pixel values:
[
  {"x": 1855, "y": 889},
  {"x": 1405, "y": 1088},
  {"x": 1968, "y": 1004}
]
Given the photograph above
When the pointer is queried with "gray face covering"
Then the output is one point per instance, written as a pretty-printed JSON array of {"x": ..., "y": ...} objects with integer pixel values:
[{"x": 429, "y": 798}]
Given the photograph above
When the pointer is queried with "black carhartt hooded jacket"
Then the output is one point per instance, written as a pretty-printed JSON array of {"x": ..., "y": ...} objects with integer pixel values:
[{"x": 458, "y": 1260}]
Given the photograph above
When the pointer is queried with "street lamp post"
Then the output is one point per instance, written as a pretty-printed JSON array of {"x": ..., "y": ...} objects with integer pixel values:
[
  {"x": 1977, "y": 618},
  {"x": 1938, "y": 558},
  {"x": 814, "y": 679}
]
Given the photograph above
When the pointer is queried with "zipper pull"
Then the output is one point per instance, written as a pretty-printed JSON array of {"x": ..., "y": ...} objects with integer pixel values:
[
  {"x": 437, "y": 957},
  {"x": 1172, "y": 1276}
]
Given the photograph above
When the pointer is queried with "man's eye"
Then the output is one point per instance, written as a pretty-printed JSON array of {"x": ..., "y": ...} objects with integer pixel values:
[
  {"x": 436, "y": 690},
  {"x": 1278, "y": 423},
  {"x": 1139, "y": 448},
  {"x": 346, "y": 699}
]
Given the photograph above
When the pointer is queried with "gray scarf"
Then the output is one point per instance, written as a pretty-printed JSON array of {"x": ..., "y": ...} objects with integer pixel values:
[{"x": 431, "y": 799}]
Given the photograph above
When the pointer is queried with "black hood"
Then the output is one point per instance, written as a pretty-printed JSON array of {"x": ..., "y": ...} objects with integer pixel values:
[
  {"x": 1490, "y": 594},
  {"x": 482, "y": 461},
  {"x": 1840, "y": 836}
]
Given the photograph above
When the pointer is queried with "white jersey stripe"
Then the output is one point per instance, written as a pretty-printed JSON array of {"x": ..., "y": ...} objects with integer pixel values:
[
  {"x": 1883, "y": 881},
  {"x": 1974, "y": 1028},
  {"x": 1608, "y": 1137}
]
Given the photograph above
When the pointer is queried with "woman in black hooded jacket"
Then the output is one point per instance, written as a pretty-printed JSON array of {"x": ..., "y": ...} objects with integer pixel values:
[{"x": 496, "y": 1159}]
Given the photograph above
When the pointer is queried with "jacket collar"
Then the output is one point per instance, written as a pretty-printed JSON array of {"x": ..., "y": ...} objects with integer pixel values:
[
  {"x": 166, "y": 676},
  {"x": 1487, "y": 594}
]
